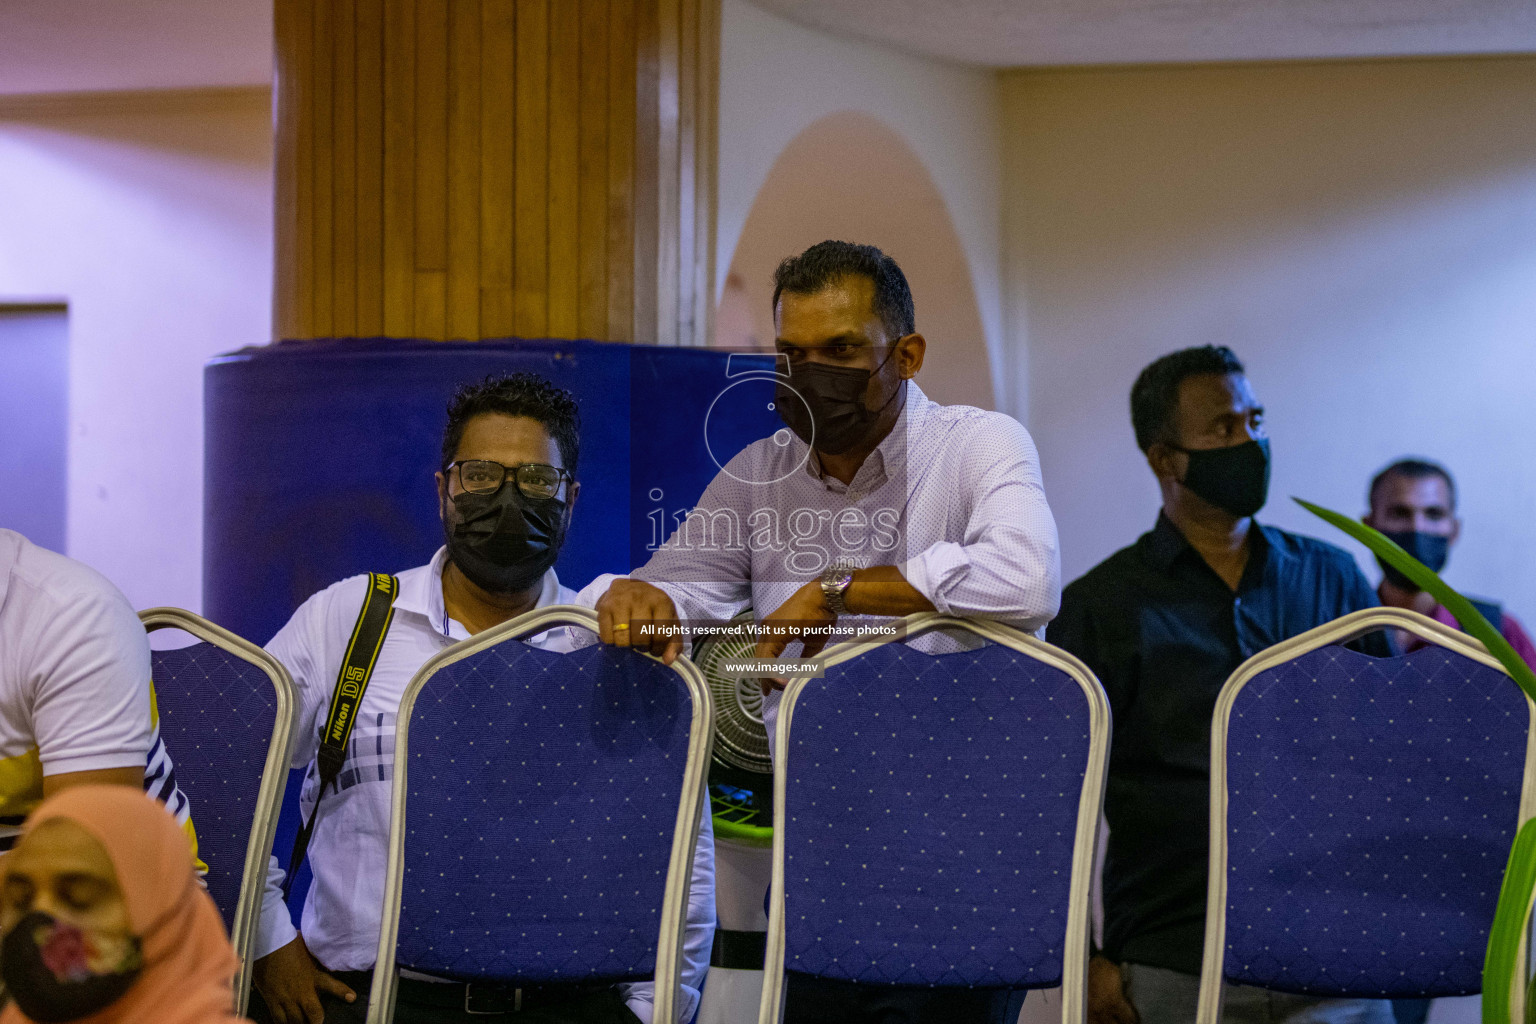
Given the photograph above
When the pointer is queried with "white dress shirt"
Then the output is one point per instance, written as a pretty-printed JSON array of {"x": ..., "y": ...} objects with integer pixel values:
[
  {"x": 348, "y": 850},
  {"x": 952, "y": 497}
]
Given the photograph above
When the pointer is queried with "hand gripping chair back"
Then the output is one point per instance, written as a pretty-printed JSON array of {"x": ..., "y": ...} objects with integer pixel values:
[
  {"x": 1362, "y": 810},
  {"x": 545, "y": 811},
  {"x": 226, "y": 712},
  {"x": 936, "y": 816}
]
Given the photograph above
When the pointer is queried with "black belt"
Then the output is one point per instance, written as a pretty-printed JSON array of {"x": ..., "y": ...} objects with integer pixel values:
[
  {"x": 739, "y": 951},
  {"x": 490, "y": 997}
]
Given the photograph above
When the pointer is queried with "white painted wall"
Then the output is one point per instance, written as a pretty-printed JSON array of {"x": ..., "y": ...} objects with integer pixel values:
[
  {"x": 109, "y": 45},
  {"x": 151, "y": 215},
  {"x": 778, "y": 77},
  {"x": 1363, "y": 234}
]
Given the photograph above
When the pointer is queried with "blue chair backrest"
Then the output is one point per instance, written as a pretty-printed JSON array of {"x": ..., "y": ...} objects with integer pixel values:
[
  {"x": 217, "y": 715},
  {"x": 930, "y": 818},
  {"x": 542, "y": 795},
  {"x": 1371, "y": 807}
]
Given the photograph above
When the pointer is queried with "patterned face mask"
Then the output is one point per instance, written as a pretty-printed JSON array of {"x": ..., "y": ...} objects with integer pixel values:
[{"x": 58, "y": 972}]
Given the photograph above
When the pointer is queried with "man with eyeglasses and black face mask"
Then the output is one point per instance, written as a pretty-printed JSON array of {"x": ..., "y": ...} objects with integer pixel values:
[
  {"x": 1163, "y": 623},
  {"x": 875, "y": 502},
  {"x": 505, "y": 494}
]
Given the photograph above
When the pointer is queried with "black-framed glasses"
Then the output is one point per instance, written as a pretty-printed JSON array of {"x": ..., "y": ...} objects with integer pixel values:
[{"x": 534, "y": 479}]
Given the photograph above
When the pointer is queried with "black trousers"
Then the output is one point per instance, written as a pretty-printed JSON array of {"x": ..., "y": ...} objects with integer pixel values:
[
  {"x": 416, "y": 1003},
  {"x": 812, "y": 1000}
]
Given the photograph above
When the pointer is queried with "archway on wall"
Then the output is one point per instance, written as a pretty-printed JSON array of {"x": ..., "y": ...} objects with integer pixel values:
[{"x": 849, "y": 176}]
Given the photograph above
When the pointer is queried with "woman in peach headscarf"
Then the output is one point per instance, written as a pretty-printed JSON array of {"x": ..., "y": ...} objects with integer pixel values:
[{"x": 103, "y": 920}]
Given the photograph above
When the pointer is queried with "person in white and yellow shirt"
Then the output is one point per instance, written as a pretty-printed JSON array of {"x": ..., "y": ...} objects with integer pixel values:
[{"x": 76, "y": 706}]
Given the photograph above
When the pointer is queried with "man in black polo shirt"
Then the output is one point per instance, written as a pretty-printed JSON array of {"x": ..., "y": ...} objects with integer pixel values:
[{"x": 1163, "y": 623}]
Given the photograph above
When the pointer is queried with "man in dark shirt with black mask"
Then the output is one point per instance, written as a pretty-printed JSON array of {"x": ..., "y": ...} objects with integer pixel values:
[{"x": 1163, "y": 623}]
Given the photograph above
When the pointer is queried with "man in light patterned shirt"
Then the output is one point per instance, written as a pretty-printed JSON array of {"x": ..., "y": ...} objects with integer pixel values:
[{"x": 873, "y": 502}]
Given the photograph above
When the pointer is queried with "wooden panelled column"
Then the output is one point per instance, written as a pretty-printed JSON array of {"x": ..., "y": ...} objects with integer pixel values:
[{"x": 467, "y": 169}]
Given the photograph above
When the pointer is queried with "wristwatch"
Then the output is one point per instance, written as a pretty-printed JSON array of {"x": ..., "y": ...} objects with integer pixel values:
[{"x": 834, "y": 584}]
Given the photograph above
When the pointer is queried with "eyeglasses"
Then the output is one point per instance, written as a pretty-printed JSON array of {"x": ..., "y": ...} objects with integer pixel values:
[{"x": 534, "y": 479}]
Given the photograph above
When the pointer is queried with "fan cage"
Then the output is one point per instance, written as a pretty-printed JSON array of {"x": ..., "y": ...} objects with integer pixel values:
[{"x": 741, "y": 772}]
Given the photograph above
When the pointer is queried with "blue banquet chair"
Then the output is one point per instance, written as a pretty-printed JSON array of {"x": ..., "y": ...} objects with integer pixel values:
[
  {"x": 225, "y": 711},
  {"x": 1362, "y": 810},
  {"x": 544, "y": 815},
  {"x": 936, "y": 815}
]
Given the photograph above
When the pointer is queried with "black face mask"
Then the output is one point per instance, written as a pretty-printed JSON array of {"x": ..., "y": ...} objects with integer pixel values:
[
  {"x": 1235, "y": 478},
  {"x": 824, "y": 405},
  {"x": 1431, "y": 549},
  {"x": 504, "y": 542},
  {"x": 43, "y": 963}
]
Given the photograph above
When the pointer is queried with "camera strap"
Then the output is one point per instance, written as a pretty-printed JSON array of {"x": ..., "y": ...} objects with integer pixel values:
[{"x": 351, "y": 684}]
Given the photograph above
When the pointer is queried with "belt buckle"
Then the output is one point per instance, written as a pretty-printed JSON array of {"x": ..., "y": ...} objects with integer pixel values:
[{"x": 517, "y": 1001}]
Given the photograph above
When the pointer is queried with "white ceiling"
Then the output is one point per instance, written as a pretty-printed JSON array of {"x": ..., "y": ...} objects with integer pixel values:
[
  {"x": 1008, "y": 33},
  {"x": 91, "y": 45}
]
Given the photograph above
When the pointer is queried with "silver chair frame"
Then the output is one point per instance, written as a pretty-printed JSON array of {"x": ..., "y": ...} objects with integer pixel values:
[
  {"x": 274, "y": 778},
  {"x": 685, "y": 835},
  {"x": 1074, "y": 980},
  {"x": 1341, "y": 630}
]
